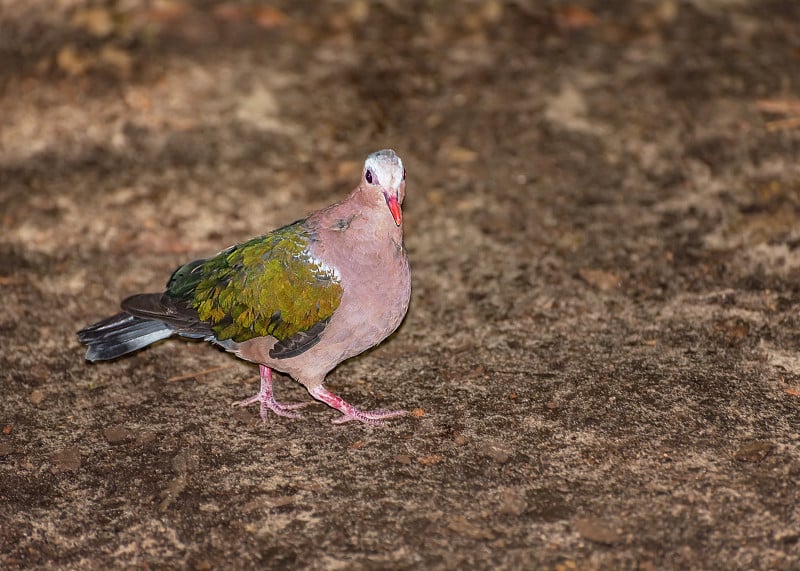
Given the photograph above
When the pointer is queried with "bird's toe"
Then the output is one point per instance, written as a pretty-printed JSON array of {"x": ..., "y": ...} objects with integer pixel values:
[{"x": 371, "y": 417}]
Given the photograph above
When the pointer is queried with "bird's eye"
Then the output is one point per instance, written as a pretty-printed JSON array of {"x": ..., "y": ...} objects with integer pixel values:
[
  {"x": 368, "y": 176},
  {"x": 404, "y": 174}
]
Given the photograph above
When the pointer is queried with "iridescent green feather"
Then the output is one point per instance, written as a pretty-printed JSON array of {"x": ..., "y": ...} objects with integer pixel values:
[{"x": 269, "y": 285}]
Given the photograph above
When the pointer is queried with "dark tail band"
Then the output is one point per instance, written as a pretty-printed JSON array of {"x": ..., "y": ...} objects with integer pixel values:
[{"x": 121, "y": 334}]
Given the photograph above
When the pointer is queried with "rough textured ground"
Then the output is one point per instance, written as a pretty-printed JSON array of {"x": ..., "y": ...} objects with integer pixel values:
[{"x": 602, "y": 349}]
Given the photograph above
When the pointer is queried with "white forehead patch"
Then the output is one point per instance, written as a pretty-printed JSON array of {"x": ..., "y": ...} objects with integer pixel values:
[{"x": 387, "y": 167}]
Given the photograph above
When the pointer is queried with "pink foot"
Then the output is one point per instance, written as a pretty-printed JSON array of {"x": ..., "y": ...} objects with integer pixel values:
[
  {"x": 373, "y": 417},
  {"x": 267, "y": 401}
]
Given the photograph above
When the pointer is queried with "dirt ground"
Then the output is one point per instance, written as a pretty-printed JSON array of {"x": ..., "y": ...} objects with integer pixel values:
[{"x": 601, "y": 355}]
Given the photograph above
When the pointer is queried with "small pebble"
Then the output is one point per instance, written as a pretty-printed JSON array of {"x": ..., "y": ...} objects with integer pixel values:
[
  {"x": 599, "y": 279},
  {"x": 66, "y": 460},
  {"x": 467, "y": 528},
  {"x": 597, "y": 531},
  {"x": 512, "y": 501},
  {"x": 117, "y": 434},
  {"x": 754, "y": 451},
  {"x": 145, "y": 437},
  {"x": 495, "y": 451}
]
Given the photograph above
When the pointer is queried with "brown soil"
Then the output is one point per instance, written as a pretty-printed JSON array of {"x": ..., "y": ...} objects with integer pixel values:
[{"x": 603, "y": 221}]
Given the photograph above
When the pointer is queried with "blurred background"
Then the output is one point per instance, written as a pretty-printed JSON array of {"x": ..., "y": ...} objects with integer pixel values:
[{"x": 602, "y": 220}]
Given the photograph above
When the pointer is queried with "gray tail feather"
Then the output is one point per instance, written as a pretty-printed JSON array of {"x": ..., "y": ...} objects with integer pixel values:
[{"x": 121, "y": 334}]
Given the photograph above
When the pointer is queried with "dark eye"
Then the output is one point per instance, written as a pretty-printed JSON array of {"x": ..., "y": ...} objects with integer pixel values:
[
  {"x": 404, "y": 174},
  {"x": 368, "y": 176}
]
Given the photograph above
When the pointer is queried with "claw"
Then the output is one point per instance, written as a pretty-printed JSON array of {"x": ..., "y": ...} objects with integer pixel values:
[
  {"x": 266, "y": 399},
  {"x": 371, "y": 417},
  {"x": 349, "y": 412}
]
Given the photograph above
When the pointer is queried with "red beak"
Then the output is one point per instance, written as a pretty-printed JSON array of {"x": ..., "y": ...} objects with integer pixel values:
[{"x": 394, "y": 207}]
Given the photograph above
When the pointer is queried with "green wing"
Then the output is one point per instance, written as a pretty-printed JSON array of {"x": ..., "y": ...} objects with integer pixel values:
[{"x": 270, "y": 285}]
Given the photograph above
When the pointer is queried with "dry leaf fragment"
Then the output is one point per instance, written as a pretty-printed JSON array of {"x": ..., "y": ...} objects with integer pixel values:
[
  {"x": 754, "y": 451},
  {"x": 229, "y": 12},
  {"x": 70, "y": 61},
  {"x": 572, "y": 17},
  {"x": 461, "y": 155},
  {"x": 11, "y": 280},
  {"x": 97, "y": 21},
  {"x": 465, "y": 527},
  {"x": 167, "y": 11},
  {"x": 268, "y": 18},
  {"x": 779, "y": 106},
  {"x": 600, "y": 279},
  {"x": 117, "y": 58},
  {"x": 783, "y": 124},
  {"x": 596, "y": 530}
]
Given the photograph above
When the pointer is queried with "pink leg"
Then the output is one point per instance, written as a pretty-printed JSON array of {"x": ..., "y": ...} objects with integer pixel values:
[
  {"x": 373, "y": 417},
  {"x": 266, "y": 398}
]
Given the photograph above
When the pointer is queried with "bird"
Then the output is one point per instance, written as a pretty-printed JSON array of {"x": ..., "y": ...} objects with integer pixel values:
[{"x": 300, "y": 299}]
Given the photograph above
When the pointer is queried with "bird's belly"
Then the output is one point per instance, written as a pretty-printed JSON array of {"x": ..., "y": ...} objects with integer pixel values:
[
  {"x": 368, "y": 314},
  {"x": 365, "y": 325}
]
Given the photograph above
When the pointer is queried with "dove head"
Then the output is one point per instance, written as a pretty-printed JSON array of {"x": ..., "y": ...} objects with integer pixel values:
[{"x": 384, "y": 174}]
